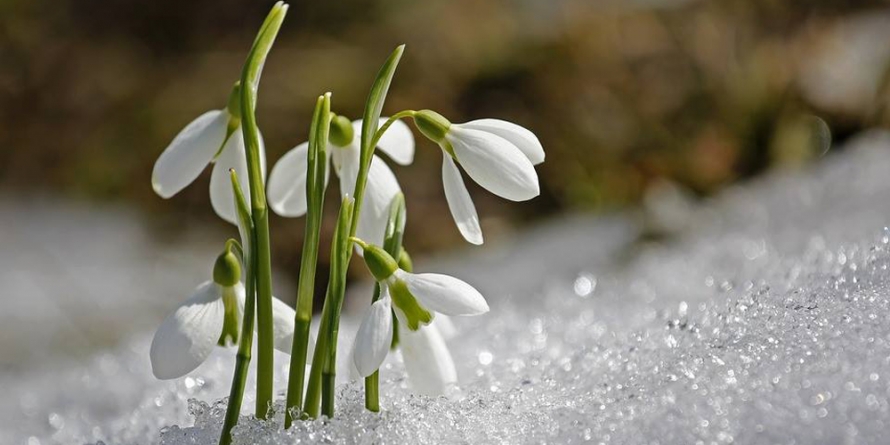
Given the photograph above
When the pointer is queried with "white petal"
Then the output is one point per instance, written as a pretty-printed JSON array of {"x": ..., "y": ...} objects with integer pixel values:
[
  {"x": 222, "y": 198},
  {"x": 282, "y": 322},
  {"x": 494, "y": 163},
  {"x": 445, "y": 326},
  {"x": 443, "y": 293},
  {"x": 374, "y": 337},
  {"x": 240, "y": 297},
  {"x": 428, "y": 362},
  {"x": 346, "y": 164},
  {"x": 521, "y": 137},
  {"x": 380, "y": 190},
  {"x": 187, "y": 336},
  {"x": 397, "y": 142},
  {"x": 287, "y": 182},
  {"x": 459, "y": 202},
  {"x": 189, "y": 153},
  {"x": 283, "y": 327}
]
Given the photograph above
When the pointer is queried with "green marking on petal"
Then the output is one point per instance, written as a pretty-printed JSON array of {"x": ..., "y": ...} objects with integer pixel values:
[
  {"x": 415, "y": 314},
  {"x": 231, "y": 322}
]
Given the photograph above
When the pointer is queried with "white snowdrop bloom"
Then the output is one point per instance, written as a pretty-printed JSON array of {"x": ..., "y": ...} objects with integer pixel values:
[
  {"x": 415, "y": 299},
  {"x": 287, "y": 182},
  {"x": 427, "y": 359},
  {"x": 499, "y": 155},
  {"x": 210, "y": 317},
  {"x": 214, "y": 137}
]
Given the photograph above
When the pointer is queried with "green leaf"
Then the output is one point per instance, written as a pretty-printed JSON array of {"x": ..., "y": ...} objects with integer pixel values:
[
  {"x": 376, "y": 98},
  {"x": 250, "y": 79},
  {"x": 315, "y": 189}
]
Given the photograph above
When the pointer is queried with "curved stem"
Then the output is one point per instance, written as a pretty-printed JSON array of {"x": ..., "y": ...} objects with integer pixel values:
[
  {"x": 392, "y": 119},
  {"x": 250, "y": 78},
  {"x": 233, "y": 245}
]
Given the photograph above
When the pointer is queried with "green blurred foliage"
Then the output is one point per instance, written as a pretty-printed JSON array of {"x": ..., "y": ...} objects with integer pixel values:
[{"x": 621, "y": 93}]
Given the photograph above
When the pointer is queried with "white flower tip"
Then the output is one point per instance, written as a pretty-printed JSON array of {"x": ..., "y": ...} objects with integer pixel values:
[
  {"x": 480, "y": 306},
  {"x": 164, "y": 365},
  {"x": 162, "y": 373},
  {"x": 282, "y": 209},
  {"x": 159, "y": 188},
  {"x": 528, "y": 191},
  {"x": 472, "y": 237},
  {"x": 362, "y": 362}
]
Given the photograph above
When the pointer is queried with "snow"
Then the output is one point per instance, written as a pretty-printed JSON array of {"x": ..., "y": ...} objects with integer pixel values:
[{"x": 762, "y": 319}]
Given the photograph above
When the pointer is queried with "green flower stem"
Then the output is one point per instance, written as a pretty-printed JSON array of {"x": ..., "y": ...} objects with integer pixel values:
[
  {"x": 342, "y": 252},
  {"x": 392, "y": 243},
  {"x": 315, "y": 188},
  {"x": 324, "y": 361},
  {"x": 372, "y": 382},
  {"x": 250, "y": 78},
  {"x": 392, "y": 119},
  {"x": 245, "y": 343},
  {"x": 325, "y": 349},
  {"x": 312, "y": 402}
]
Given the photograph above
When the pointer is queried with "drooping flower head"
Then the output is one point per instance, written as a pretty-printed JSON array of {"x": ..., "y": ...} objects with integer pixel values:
[
  {"x": 287, "y": 182},
  {"x": 214, "y": 137},
  {"x": 211, "y": 317},
  {"x": 427, "y": 360},
  {"x": 499, "y": 155},
  {"x": 415, "y": 299}
]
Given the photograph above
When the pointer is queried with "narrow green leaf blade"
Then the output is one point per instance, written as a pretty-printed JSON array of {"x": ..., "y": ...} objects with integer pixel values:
[{"x": 376, "y": 98}]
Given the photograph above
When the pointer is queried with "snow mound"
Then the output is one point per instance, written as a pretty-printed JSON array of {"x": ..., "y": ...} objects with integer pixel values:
[{"x": 763, "y": 321}]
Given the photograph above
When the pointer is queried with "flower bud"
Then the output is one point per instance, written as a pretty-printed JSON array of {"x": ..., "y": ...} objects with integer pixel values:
[
  {"x": 341, "y": 133},
  {"x": 433, "y": 125},
  {"x": 227, "y": 270},
  {"x": 381, "y": 264}
]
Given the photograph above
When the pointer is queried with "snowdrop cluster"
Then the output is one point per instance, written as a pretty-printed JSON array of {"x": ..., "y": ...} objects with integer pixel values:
[{"x": 498, "y": 155}]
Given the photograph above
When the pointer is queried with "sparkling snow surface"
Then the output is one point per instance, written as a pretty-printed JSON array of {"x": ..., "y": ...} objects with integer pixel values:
[{"x": 763, "y": 320}]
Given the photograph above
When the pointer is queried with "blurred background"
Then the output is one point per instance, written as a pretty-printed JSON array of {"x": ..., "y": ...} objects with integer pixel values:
[{"x": 629, "y": 98}]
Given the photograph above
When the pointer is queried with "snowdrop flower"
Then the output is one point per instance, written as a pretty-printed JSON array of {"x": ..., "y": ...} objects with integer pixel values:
[
  {"x": 210, "y": 317},
  {"x": 415, "y": 299},
  {"x": 427, "y": 360},
  {"x": 214, "y": 137},
  {"x": 499, "y": 155},
  {"x": 287, "y": 182}
]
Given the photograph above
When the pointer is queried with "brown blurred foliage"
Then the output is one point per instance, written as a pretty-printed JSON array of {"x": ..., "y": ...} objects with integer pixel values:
[{"x": 621, "y": 93}]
